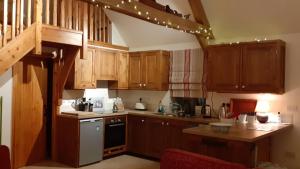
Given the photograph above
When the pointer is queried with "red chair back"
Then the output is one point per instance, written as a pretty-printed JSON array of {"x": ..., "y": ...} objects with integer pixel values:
[{"x": 4, "y": 158}]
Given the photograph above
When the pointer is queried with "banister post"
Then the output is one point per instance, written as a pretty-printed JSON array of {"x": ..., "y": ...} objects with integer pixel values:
[{"x": 38, "y": 19}]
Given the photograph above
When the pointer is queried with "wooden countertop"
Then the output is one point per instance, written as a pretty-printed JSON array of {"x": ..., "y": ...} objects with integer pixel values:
[
  {"x": 87, "y": 115},
  {"x": 241, "y": 132}
]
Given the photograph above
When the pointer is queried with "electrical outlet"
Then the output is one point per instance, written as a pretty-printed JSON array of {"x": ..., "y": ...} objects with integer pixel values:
[{"x": 290, "y": 155}]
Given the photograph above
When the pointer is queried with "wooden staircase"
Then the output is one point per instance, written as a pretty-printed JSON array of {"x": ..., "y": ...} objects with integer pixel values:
[
  {"x": 18, "y": 30},
  {"x": 17, "y": 48}
]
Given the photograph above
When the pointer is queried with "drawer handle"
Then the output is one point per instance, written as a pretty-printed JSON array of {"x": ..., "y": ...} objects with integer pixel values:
[
  {"x": 144, "y": 85},
  {"x": 140, "y": 85},
  {"x": 162, "y": 123},
  {"x": 143, "y": 121},
  {"x": 236, "y": 86},
  {"x": 243, "y": 86}
]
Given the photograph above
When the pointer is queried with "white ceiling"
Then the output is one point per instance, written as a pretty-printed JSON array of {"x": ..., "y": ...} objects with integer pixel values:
[
  {"x": 228, "y": 18},
  {"x": 244, "y": 18}
]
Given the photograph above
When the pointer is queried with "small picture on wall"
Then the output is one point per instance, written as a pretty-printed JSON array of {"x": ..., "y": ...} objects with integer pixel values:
[{"x": 0, "y": 118}]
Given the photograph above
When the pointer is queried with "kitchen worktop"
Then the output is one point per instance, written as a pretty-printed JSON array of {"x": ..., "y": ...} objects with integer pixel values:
[
  {"x": 241, "y": 132},
  {"x": 86, "y": 115}
]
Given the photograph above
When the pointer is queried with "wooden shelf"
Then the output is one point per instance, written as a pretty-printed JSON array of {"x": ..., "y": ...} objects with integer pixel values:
[{"x": 153, "y": 15}]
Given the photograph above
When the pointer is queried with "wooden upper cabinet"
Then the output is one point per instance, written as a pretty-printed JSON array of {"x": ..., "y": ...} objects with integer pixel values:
[
  {"x": 82, "y": 73},
  {"x": 262, "y": 68},
  {"x": 105, "y": 64},
  {"x": 252, "y": 67},
  {"x": 223, "y": 64},
  {"x": 135, "y": 71},
  {"x": 122, "y": 72},
  {"x": 149, "y": 70}
]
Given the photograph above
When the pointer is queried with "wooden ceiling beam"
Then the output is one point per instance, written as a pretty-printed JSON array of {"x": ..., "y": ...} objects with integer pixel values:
[
  {"x": 141, "y": 11},
  {"x": 201, "y": 18}
]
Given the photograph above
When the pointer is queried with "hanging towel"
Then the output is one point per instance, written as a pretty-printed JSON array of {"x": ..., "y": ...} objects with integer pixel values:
[{"x": 186, "y": 73}]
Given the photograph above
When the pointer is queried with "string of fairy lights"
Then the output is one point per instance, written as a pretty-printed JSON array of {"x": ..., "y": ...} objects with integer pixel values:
[{"x": 134, "y": 7}]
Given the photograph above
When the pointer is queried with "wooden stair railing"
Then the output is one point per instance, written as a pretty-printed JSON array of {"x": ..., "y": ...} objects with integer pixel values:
[
  {"x": 20, "y": 31},
  {"x": 17, "y": 48}
]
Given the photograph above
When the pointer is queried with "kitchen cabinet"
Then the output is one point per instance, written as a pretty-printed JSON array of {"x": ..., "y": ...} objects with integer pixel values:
[
  {"x": 137, "y": 134},
  {"x": 105, "y": 64},
  {"x": 150, "y": 136},
  {"x": 252, "y": 67},
  {"x": 149, "y": 70},
  {"x": 228, "y": 150},
  {"x": 122, "y": 72},
  {"x": 82, "y": 72}
]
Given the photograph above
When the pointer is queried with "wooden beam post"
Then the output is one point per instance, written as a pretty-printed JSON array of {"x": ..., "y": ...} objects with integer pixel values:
[
  {"x": 38, "y": 18},
  {"x": 201, "y": 18},
  {"x": 85, "y": 30},
  {"x": 60, "y": 75}
]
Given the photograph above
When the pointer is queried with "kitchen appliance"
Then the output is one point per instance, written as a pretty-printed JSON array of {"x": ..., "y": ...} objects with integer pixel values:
[
  {"x": 91, "y": 141},
  {"x": 115, "y": 132},
  {"x": 140, "y": 105},
  {"x": 188, "y": 105}
]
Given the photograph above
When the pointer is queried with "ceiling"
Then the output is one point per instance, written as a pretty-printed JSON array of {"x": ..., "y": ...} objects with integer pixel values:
[
  {"x": 242, "y": 18},
  {"x": 229, "y": 19}
]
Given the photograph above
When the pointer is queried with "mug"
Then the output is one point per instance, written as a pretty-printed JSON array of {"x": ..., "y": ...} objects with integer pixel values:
[{"x": 242, "y": 118}]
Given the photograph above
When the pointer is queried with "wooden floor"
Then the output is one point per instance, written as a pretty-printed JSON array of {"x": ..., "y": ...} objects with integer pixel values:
[{"x": 120, "y": 162}]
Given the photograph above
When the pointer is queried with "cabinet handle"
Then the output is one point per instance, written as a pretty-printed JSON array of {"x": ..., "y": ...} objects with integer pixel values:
[
  {"x": 243, "y": 86},
  {"x": 162, "y": 123},
  {"x": 167, "y": 123},
  {"x": 144, "y": 85},
  {"x": 143, "y": 121},
  {"x": 236, "y": 86},
  {"x": 140, "y": 85}
]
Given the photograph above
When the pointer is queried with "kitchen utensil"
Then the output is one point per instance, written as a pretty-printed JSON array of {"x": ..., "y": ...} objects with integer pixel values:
[{"x": 242, "y": 118}]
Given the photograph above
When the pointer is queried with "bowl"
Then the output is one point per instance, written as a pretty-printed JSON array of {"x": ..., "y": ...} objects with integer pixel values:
[
  {"x": 262, "y": 118},
  {"x": 220, "y": 127}
]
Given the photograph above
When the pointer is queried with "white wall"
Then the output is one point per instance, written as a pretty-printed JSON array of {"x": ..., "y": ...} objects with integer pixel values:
[
  {"x": 6, "y": 93},
  {"x": 285, "y": 147}
]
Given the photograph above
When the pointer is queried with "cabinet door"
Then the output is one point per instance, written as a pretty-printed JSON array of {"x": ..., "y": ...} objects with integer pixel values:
[
  {"x": 135, "y": 73},
  {"x": 157, "y": 137},
  {"x": 137, "y": 134},
  {"x": 84, "y": 71},
  {"x": 174, "y": 133},
  {"x": 223, "y": 64},
  {"x": 262, "y": 66},
  {"x": 151, "y": 74},
  {"x": 122, "y": 73},
  {"x": 105, "y": 65}
]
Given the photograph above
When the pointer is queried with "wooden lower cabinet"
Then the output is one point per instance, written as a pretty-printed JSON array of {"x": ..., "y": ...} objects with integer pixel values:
[
  {"x": 137, "y": 134},
  {"x": 150, "y": 136},
  {"x": 245, "y": 153}
]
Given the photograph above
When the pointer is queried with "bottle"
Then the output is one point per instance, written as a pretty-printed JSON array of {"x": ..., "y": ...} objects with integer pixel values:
[
  {"x": 222, "y": 112},
  {"x": 115, "y": 108},
  {"x": 160, "y": 107},
  {"x": 278, "y": 117}
]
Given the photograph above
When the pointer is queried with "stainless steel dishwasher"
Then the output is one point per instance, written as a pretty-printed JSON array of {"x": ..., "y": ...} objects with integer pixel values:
[{"x": 91, "y": 141}]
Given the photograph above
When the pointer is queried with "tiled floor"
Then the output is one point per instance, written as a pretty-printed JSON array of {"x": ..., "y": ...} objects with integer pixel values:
[{"x": 120, "y": 162}]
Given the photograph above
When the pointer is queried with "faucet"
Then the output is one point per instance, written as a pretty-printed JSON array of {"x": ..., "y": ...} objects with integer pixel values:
[{"x": 175, "y": 106}]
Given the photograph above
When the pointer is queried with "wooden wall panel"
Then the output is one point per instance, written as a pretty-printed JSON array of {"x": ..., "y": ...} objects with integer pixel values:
[{"x": 29, "y": 101}]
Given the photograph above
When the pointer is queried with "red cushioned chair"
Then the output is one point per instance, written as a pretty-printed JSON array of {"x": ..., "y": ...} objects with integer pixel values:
[
  {"x": 179, "y": 159},
  {"x": 4, "y": 158}
]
